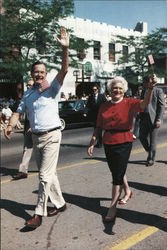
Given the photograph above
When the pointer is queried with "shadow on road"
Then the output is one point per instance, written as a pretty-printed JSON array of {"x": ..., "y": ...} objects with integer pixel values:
[
  {"x": 95, "y": 158},
  {"x": 141, "y": 162},
  {"x": 8, "y": 172},
  {"x": 93, "y": 204},
  {"x": 17, "y": 209},
  {"x": 165, "y": 162},
  {"x": 144, "y": 218},
  {"x": 11, "y": 172},
  {"x": 159, "y": 190},
  {"x": 90, "y": 204}
]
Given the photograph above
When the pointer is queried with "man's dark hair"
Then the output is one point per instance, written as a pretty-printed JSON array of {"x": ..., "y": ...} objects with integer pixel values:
[
  {"x": 146, "y": 79},
  {"x": 96, "y": 85},
  {"x": 37, "y": 63}
]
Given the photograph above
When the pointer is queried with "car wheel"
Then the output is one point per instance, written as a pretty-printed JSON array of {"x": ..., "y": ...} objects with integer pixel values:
[{"x": 63, "y": 124}]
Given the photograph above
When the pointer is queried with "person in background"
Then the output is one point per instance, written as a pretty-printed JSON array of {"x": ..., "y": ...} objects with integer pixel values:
[
  {"x": 92, "y": 108},
  {"x": 6, "y": 113},
  {"x": 28, "y": 146},
  {"x": 150, "y": 120},
  {"x": 137, "y": 115},
  {"x": 11, "y": 102},
  {"x": 84, "y": 97},
  {"x": 41, "y": 106},
  {"x": 63, "y": 97},
  {"x": 70, "y": 96},
  {"x": 116, "y": 119},
  {"x": 19, "y": 95}
]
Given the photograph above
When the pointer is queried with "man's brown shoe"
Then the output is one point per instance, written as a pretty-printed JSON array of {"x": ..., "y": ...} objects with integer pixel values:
[
  {"x": 20, "y": 175},
  {"x": 55, "y": 210},
  {"x": 34, "y": 222}
]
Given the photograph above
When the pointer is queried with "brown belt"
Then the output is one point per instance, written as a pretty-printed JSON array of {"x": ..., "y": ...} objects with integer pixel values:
[{"x": 46, "y": 132}]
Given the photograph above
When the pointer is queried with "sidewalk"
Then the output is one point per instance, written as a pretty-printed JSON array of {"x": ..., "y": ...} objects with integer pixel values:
[{"x": 87, "y": 191}]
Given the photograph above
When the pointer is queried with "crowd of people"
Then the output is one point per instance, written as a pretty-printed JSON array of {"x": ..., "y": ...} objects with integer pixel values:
[{"x": 113, "y": 114}]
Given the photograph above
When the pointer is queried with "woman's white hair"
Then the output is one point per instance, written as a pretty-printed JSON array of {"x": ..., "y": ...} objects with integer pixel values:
[{"x": 116, "y": 80}]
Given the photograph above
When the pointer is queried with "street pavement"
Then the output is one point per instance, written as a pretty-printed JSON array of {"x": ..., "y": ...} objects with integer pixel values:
[{"x": 140, "y": 224}]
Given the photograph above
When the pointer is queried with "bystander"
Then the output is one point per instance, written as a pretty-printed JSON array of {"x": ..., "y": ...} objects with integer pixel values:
[{"x": 150, "y": 120}]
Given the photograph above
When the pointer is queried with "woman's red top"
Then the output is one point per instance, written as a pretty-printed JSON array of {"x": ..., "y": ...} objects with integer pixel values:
[{"x": 118, "y": 118}]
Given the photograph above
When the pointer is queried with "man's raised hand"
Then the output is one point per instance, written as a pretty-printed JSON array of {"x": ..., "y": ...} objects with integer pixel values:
[{"x": 64, "y": 38}]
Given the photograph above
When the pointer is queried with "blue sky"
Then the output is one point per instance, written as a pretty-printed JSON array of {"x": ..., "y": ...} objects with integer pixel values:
[{"x": 124, "y": 13}]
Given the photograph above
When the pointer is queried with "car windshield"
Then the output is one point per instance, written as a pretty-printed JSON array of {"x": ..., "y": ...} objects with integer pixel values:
[{"x": 66, "y": 105}]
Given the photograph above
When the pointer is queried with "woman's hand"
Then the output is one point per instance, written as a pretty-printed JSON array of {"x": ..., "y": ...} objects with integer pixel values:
[
  {"x": 91, "y": 146},
  {"x": 64, "y": 38},
  {"x": 90, "y": 150}
]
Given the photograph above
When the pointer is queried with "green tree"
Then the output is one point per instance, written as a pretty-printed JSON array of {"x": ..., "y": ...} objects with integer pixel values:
[
  {"x": 154, "y": 43},
  {"x": 28, "y": 30}
]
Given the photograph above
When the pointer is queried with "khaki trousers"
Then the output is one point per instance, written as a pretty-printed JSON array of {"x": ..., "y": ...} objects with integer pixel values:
[{"x": 46, "y": 148}]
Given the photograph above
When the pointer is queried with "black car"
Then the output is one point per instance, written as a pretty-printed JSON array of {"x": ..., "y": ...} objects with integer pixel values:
[{"x": 72, "y": 112}]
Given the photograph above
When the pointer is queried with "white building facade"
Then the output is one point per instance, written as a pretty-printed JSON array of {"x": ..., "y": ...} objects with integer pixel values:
[{"x": 102, "y": 56}]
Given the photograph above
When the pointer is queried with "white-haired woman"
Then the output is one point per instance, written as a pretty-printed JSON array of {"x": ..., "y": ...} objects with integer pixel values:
[{"x": 116, "y": 119}]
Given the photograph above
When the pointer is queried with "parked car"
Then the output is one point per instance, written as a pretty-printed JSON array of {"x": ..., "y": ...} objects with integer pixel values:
[{"x": 72, "y": 112}]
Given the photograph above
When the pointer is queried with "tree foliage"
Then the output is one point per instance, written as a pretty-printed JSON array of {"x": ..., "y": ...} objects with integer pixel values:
[
  {"x": 28, "y": 31},
  {"x": 154, "y": 43}
]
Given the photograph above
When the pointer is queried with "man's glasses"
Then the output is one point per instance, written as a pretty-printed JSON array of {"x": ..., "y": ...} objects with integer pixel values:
[{"x": 94, "y": 89}]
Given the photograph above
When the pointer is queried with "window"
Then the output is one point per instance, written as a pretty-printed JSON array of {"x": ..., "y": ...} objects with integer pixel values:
[
  {"x": 80, "y": 51},
  {"x": 112, "y": 52},
  {"x": 80, "y": 105},
  {"x": 125, "y": 50},
  {"x": 96, "y": 51},
  {"x": 137, "y": 54},
  {"x": 125, "y": 53}
]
